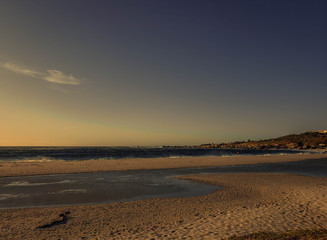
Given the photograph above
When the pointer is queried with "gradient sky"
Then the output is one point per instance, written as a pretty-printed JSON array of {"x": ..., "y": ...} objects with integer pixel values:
[{"x": 160, "y": 72}]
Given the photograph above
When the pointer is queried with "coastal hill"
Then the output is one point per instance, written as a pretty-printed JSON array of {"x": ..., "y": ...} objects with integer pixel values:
[{"x": 307, "y": 140}]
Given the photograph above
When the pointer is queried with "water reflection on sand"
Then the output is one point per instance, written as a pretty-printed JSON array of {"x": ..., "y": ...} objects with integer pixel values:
[{"x": 88, "y": 188}]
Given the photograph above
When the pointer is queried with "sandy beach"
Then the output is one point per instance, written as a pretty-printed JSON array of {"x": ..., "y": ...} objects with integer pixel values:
[
  {"x": 247, "y": 203},
  {"x": 163, "y": 120},
  {"x": 26, "y": 168}
]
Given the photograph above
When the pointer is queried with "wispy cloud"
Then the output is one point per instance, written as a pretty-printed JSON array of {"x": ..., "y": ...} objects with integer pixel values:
[
  {"x": 53, "y": 76},
  {"x": 59, "y": 77},
  {"x": 21, "y": 70}
]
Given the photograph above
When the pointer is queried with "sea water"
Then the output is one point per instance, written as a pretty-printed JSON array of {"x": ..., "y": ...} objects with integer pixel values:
[{"x": 108, "y": 153}]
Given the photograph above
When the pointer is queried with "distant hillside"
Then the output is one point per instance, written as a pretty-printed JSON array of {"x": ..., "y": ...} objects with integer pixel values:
[{"x": 307, "y": 140}]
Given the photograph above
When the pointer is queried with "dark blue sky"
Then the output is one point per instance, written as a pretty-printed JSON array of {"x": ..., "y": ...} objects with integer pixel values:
[{"x": 162, "y": 72}]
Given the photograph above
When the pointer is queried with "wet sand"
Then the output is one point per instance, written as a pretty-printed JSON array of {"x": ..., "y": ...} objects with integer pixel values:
[
  {"x": 248, "y": 203},
  {"x": 8, "y": 169}
]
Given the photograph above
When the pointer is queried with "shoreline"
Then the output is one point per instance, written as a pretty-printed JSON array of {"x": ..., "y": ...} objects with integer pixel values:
[
  {"x": 15, "y": 169},
  {"x": 248, "y": 203}
]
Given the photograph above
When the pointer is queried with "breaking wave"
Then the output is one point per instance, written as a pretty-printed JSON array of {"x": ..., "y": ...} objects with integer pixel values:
[{"x": 50, "y": 154}]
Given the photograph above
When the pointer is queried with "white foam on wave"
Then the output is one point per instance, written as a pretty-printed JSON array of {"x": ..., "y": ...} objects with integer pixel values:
[
  {"x": 5, "y": 196},
  {"x": 28, "y": 184}
]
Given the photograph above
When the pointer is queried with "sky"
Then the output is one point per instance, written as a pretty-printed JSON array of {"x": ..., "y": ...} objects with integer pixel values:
[{"x": 165, "y": 72}]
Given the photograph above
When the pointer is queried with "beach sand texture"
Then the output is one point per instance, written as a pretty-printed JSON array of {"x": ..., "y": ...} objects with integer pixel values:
[{"x": 248, "y": 203}]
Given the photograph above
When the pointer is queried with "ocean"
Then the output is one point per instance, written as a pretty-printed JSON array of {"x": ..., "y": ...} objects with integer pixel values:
[{"x": 91, "y": 153}]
